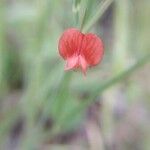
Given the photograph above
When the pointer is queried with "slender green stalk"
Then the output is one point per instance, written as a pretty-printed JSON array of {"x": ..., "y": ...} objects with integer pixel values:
[
  {"x": 85, "y": 13},
  {"x": 59, "y": 96},
  {"x": 76, "y": 9},
  {"x": 43, "y": 22},
  {"x": 120, "y": 53},
  {"x": 103, "y": 6},
  {"x": 140, "y": 63},
  {"x": 122, "y": 41},
  {"x": 111, "y": 82}
]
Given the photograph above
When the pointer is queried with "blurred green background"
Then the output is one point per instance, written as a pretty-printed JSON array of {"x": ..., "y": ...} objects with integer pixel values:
[{"x": 44, "y": 108}]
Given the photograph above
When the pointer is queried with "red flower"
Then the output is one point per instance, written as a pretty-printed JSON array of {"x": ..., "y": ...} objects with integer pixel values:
[{"x": 80, "y": 50}]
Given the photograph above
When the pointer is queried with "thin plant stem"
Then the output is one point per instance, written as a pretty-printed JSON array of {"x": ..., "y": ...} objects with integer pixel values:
[
  {"x": 111, "y": 82},
  {"x": 140, "y": 63},
  {"x": 103, "y": 6},
  {"x": 76, "y": 9}
]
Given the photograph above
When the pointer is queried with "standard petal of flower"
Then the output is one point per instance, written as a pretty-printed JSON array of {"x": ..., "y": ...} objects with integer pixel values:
[
  {"x": 70, "y": 43},
  {"x": 92, "y": 49}
]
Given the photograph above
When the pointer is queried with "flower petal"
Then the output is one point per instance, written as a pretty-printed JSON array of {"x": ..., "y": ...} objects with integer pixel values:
[
  {"x": 72, "y": 63},
  {"x": 83, "y": 64},
  {"x": 92, "y": 49},
  {"x": 70, "y": 43}
]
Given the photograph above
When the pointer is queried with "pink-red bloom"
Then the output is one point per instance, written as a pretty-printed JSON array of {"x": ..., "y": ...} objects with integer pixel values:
[{"x": 80, "y": 50}]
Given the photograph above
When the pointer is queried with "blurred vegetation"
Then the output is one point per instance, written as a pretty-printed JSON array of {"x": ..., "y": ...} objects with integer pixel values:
[{"x": 41, "y": 106}]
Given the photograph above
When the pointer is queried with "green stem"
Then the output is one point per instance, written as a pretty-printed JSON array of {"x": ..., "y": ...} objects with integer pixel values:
[
  {"x": 99, "y": 90},
  {"x": 122, "y": 46},
  {"x": 122, "y": 75},
  {"x": 76, "y": 9},
  {"x": 103, "y": 6}
]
